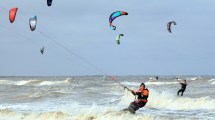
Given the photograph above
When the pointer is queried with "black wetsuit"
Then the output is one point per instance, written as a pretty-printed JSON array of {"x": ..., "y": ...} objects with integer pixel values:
[{"x": 183, "y": 88}]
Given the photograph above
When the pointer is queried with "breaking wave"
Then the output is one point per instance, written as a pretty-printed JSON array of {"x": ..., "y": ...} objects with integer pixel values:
[
  {"x": 165, "y": 100},
  {"x": 107, "y": 114},
  {"x": 212, "y": 81},
  {"x": 160, "y": 83},
  {"x": 194, "y": 78},
  {"x": 148, "y": 83},
  {"x": 36, "y": 82}
]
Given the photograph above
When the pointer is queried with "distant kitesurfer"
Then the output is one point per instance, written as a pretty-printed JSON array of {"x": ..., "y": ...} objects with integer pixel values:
[
  {"x": 183, "y": 87},
  {"x": 142, "y": 95},
  {"x": 156, "y": 77}
]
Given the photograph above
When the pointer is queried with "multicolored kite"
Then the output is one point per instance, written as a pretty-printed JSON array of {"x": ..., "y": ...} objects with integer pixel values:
[{"x": 114, "y": 15}]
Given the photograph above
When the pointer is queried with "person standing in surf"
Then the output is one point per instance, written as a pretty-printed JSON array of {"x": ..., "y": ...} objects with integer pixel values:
[
  {"x": 142, "y": 95},
  {"x": 183, "y": 87}
]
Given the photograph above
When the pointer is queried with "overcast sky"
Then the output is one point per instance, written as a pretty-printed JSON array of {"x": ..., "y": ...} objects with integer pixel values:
[{"x": 78, "y": 40}]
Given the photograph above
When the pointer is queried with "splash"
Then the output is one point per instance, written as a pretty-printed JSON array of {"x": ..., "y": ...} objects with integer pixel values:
[
  {"x": 160, "y": 83},
  {"x": 166, "y": 100},
  {"x": 194, "y": 78}
]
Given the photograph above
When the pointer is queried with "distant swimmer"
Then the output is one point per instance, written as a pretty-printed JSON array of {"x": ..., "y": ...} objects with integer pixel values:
[
  {"x": 183, "y": 87},
  {"x": 142, "y": 95}
]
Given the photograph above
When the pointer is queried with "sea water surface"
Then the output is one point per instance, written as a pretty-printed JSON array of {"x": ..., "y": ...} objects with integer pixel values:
[{"x": 100, "y": 98}]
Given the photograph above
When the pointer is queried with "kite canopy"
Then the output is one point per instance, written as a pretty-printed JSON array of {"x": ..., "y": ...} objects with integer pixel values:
[
  {"x": 49, "y": 2},
  {"x": 33, "y": 23},
  {"x": 113, "y": 16},
  {"x": 42, "y": 50},
  {"x": 12, "y": 14},
  {"x": 169, "y": 26},
  {"x": 118, "y": 38}
]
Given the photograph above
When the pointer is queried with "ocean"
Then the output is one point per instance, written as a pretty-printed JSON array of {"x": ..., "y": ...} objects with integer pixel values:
[{"x": 101, "y": 98}]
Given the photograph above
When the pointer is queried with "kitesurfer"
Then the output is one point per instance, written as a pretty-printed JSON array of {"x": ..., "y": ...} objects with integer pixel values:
[
  {"x": 183, "y": 87},
  {"x": 156, "y": 77},
  {"x": 142, "y": 95}
]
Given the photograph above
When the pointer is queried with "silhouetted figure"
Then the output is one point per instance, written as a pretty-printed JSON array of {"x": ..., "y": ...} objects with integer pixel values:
[
  {"x": 156, "y": 77},
  {"x": 183, "y": 87}
]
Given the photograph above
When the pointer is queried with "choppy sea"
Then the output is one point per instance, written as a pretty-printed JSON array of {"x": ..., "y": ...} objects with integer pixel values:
[{"x": 101, "y": 98}]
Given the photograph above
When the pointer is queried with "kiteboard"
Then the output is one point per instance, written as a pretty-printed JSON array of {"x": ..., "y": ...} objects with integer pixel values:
[{"x": 130, "y": 110}]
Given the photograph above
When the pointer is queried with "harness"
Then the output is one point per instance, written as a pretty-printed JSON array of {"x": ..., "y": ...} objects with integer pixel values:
[{"x": 142, "y": 95}]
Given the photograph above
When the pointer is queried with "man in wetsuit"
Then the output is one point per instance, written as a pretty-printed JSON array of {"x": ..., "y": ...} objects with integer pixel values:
[
  {"x": 142, "y": 95},
  {"x": 183, "y": 87}
]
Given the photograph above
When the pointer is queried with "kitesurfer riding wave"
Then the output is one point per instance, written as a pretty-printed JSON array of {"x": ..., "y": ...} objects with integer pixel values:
[
  {"x": 183, "y": 87},
  {"x": 142, "y": 95}
]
